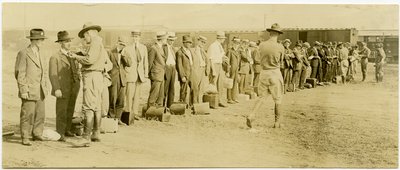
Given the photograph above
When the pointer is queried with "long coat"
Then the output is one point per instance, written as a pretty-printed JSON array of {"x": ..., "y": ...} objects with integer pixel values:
[
  {"x": 183, "y": 65},
  {"x": 30, "y": 72},
  {"x": 139, "y": 67},
  {"x": 118, "y": 73},
  {"x": 234, "y": 61},
  {"x": 64, "y": 75},
  {"x": 244, "y": 64},
  {"x": 157, "y": 58}
]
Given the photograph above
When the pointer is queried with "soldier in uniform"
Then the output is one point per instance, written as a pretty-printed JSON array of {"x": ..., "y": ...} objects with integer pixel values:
[
  {"x": 244, "y": 65},
  {"x": 379, "y": 61},
  {"x": 287, "y": 65},
  {"x": 255, "y": 54},
  {"x": 65, "y": 81},
  {"x": 30, "y": 72},
  {"x": 365, "y": 53}
]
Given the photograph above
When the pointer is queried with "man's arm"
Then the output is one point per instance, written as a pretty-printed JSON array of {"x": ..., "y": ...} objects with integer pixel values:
[
  {"x": 53, "y": 74},
  {"x": 20, "y": 74},
  {"x": 125, "y": 59},
  {"x": 146, "y": 62},
  {"x": 92, "y": 56}
]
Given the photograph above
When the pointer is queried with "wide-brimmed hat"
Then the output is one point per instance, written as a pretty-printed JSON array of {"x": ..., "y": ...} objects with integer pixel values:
[
  {"x": 221, "y": 35},
  {"x": 88, "y": 26},
  {"x": 306, "y": 44},
  {"x": 122, "y": 40},
  {"x": 63, "y": 36},
  {"x": 36, "y": 33},
  {"x": 299, "y": 44},
  {"x": 246, "y": 40},
  {"x": 136, "y": 32},
  {"x": 186, "y": 38},
  {"x": 287, "y": 40},
  {"x": 161, "y": 35},
  {"x": 276, "y": 28},
  {"x": 171, "y": 36},
  {"x": 236, "y": 39},
  {"x": 252, "y": 44},
  {"x": 202, "y": 38}
]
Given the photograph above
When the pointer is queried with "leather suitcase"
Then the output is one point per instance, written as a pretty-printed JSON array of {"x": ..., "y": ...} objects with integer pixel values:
[
  {"x": 201, "y": 108},
  {"x": 179, "y": 108},
  {"x": 127, "y": 118},
  {"x": 337, "y": 79},
  {"x": 212, "y": 99},
  {"x": 109, "y": 125},
  {"x": 158, "y": 113},
  {"x": 228, "y": 83},
  {"x": 312, "y": 81}
]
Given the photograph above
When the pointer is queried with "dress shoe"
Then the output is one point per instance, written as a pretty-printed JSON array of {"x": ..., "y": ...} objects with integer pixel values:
[
  {"x": 95, "y": 139},
  {"x": 231, "y": 102},
  {"x": 221, "y": 105},
  {"x": 121, "y": 123},
  {"x": 277, "y": 125},
  {"x": 38, "y": 138},
  {"x": 26, "y": 142},
  {"x": 69, "y": 134},
  {"x": 235, "y": 101},
  {"x": 62, "y": 139},
  {"x": 248, "y": 122},
  {"x": 136, "y": 117},
  {"x": 82, "y": 142}
]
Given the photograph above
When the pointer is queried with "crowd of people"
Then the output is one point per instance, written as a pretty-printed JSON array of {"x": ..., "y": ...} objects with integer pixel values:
[{"x": 112, "y": 79}]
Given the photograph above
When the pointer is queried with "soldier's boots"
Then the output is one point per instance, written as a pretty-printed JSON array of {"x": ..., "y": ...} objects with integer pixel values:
[
  {"x": 95, "y": 136},
  {"x": 277, "y": 123}
]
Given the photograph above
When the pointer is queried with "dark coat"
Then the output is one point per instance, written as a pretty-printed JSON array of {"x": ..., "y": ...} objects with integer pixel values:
[
  {"x": 157, "y": 58},
  {"x": 183, "y": 64},
  {"x": 118, "y": 72}
]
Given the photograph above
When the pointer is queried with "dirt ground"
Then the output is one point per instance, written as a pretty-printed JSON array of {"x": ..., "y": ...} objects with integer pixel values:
[{"x": 353, "y": 125}]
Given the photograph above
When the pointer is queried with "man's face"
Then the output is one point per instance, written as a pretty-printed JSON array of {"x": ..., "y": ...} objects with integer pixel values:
[
  {"x": 221, "y": 40},
  {"x": 86, "y": 37},
  {"x": 202, "y": 43},
  {"x": 66, "y": 44},
  {"x": 136, "y": 38},
  {"x": 170, "y": 41},
  {"x": 120, "y": 46},
  {"x": 187, "y": 44},
  {"x": 286, "y": 44},
  {"x": 39, "y": 42}
]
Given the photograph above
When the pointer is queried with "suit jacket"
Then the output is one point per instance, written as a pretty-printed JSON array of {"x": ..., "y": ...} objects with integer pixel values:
[
  {"x": 118, "y": 72},
  {"x": 234, "y": 61},
  {"x": 157, "y": 58},
  {"x": 287, "y": 60},
  {"x": 30, "y": 72},
  {"x": 199, "y": 54},
  {"x": 244, "y": 65},
  {"x": 257, "y": 60},
  {"x": 183, "y": 63},
  {"x": 297, "y": 60},
  {"x": 314, "y": 62},
  {"x": 64, "y": 74}
]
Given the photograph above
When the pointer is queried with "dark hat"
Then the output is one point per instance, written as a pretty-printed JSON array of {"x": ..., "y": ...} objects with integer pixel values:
[
  {"x": 161, "y": 35},
  {"x": 276, "y": 28},
  {"x": 36, "y": 33},
  {"x": 122, "y": 40},
  {"x": 186, "y": 38},
  {"x": 88, "y": 26},
  {"x": 299, "y": 44},
  {"x": 136, "y": 32},
  {"x": 63, "y": 36}
]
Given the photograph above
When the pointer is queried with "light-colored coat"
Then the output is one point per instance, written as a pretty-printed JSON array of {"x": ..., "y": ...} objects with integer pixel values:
[
  {"x": 30, "y": 72},
  {"x": 138, "y": 70}
]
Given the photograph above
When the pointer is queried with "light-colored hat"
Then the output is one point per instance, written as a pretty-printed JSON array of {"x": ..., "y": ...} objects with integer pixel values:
[
  {"x": 122, "y": 40},
  {"x": 252, "y": 44},
  {"x": 161, "y": 35},
  {"x": 276, "y": 28},
  {"x": 88, "y": 26},
  {"x": 171, "y": 36},
  {"x": 286, "y": 40},
  {"x": 245, "y": 40},
  {"x": 221, "y": 35},
  {"x": 202, "y": 38},
  {"x": 236, "y": 39},
  {"x": 136, "y": 32}
]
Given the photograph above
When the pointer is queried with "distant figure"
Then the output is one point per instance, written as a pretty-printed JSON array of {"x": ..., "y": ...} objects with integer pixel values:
[
  {"x": 297, "y": 64},
  {"x": 365, "y": 52},
  {"x": 30, "y": 72},
  {"x": 65, "y": 80},
  {"x": 379, "y": 61},
  {"x": 234, "y": 59},
  {"x": 245, "y": 65},
  {"x": 344, "y": 62},
  {"x": 170, "y": 69},
  {"x": 304, "y": 72},
  {"x": 287, "y": 65},
  {"x": 200, "y": 71},
  {"x": 255, "y": 54},
  {"x": 315, "y": 61},
  {"x": 271, "y": 81},
  {"x": 184, "y": 61}
]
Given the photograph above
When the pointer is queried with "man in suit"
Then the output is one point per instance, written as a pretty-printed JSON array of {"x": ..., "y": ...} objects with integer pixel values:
[
  {"x": 365, "y": 53},
  {"x": 117, "y": 90},
  {"x": 184, "y": 61},
  {"x": 137, "y": 73},
  {"x": 65, "y": 82},
  {"x": 315, "y": 61},
  {"x": 234, "y": 55},
  {"x": 305, "y": 64},
  {"x": 200, "y": 71},
  {"x": 93, "y": 66},
  {"x": 170, "y": 69},
  {"x": 287, "y": 65},
  {"x": 244, "y": 65},
  {"x": 157, "y": 60},
  {"x": 218, "y": 58},
  {"x": 30, "y": 72},
  {"x": 255, "y": 54},
  {"x": 297, "y": 64}
]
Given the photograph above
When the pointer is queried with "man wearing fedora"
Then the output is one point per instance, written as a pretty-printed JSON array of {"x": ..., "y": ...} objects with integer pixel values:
[
  {"x": 234, "y": 55},
  {"x": 157, "y": 60},
  {"x": 200, "y": 71},
  {"x": 31, "y": 72},
  {"x": 118, "y": 76},
  {"x": 65, "y": 80},
  {"x": 184, "y": 61},
  {"x": 217, "y": 56},
  {"x": 93, "y": 66},
  {"x": 137, "y": 72},
  {"x": 170, "y": 69},
  {"x": 271, "y": 81}
]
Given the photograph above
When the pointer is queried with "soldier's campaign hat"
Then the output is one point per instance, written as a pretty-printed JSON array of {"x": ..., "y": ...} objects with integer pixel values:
[
  {"x": 186, "y": 38},
  {"x": 253, "y": 44},
  {"x": 276, "y": 28},
  {"x": 122, "y": 40},
  {"x": 236, "y": 39},
  {"x": 202, "y": 38},
  {"x": 161, "y": 35},
  {"x": 63, "y": 36},
  {"x": 286, "y": 40},
  {"x": 136, "y": 32},
  {"x": 171, "y": 36},
  {"x": 317, "y": 43},
  {"x": 221, "y": 35},
  {"x": 306, "y": 44},
  {"x": 36, "y": 33},
  {"x": 88, "y": 26}
]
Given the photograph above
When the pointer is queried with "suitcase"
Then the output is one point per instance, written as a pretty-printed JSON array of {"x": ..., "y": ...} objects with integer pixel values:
[
  {"x": 109, "y": 125},
  {"x": 77, "y": 126},
  {"x": 251, "y": 93},
  {"x": 158, "y": 113},
  {"x": 243, "y": 97},
  {"x": 291, "y": 87},
  {"x": 312, "y": 81},
  {"x": 179, "y": 108},
  {"x": 127, "y": 118},
  {"x": 201, "y": 108},
  {"x": 228, "y": 83},
  {"x": 337, "y": 79},
  {"x": 212, "y": 99}
]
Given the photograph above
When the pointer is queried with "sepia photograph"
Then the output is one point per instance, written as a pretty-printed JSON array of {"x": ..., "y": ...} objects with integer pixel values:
[{"x": 199, "y": 85}]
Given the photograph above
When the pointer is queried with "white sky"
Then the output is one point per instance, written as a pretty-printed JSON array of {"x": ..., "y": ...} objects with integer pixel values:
[{"x": 56, "y": 16}]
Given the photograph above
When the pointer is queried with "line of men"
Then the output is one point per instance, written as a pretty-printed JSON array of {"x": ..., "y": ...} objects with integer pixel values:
[{"x": 112, "y": 79}]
